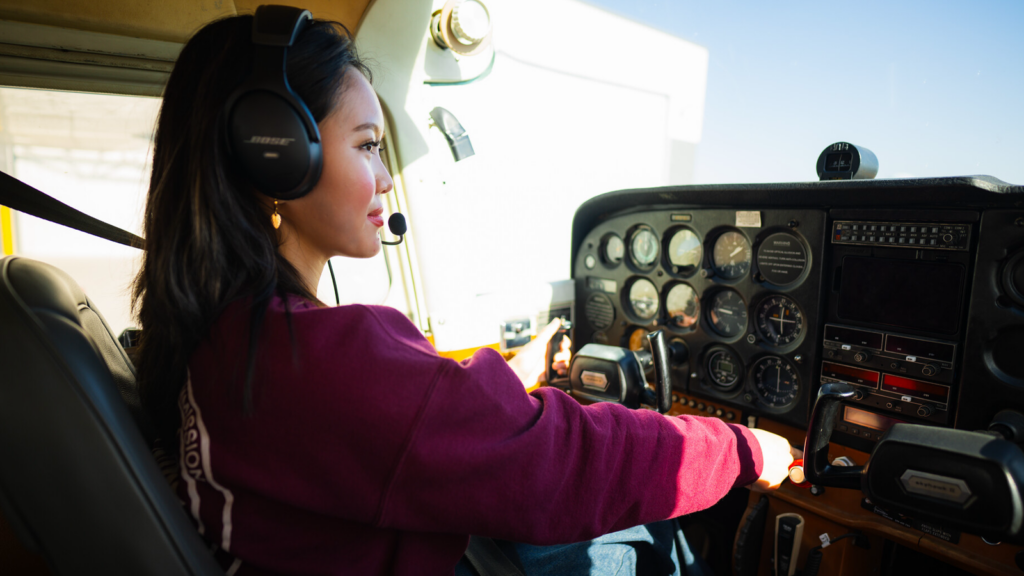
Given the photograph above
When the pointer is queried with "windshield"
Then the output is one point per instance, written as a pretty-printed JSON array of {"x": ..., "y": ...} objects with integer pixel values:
[{"x": 933, "y": 89}]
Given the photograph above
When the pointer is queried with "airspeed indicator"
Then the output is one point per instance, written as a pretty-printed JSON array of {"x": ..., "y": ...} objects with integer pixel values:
[{"x": 643, "y": 247}]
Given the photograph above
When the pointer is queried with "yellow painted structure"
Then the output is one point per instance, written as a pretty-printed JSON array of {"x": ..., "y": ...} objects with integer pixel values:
[{"x": 6, "y": 231}]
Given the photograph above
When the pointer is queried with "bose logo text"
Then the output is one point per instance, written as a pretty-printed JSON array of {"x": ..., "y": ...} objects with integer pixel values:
[{"x": 271, "y": 140}]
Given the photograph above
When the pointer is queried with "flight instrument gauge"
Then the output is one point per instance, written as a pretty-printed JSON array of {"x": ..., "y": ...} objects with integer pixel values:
[
  {"x": 724, "y": 367},
  {"x": 612, "y": 249},
  {"x": 643, "y": 299},
  {"x": 637, "y": 340},
  {"x": 775, "y": 381},
  {"x": 643, "y": 247},
  {"x": 684, "y": 251},
  {"x": 682, "y": 306},
  {"x": 728, "y": 313},
  {"x": 779, "y": 320},
  {"x": 731, "y": 255}
]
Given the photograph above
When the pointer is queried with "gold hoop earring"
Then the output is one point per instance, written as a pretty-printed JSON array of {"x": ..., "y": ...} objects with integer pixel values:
[{"x": 275, "y": 218}]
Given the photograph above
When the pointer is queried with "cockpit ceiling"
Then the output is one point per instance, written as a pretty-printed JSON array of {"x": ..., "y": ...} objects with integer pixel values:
[{"x": 166, "y": 20}]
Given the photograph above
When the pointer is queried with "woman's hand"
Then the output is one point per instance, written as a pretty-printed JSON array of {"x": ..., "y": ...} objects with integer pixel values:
[
  {"x": 529, "y": 362},
  {"x": 777, "y": 455}
]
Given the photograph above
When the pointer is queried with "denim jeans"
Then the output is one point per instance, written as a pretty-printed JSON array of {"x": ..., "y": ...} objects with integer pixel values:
[{"x": 657, "y": 549}]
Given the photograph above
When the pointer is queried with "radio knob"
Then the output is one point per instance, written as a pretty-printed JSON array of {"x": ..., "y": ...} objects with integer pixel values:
[
  {"x": 947, "y": 238},
  {"x": 929, "y": 370},
  {"x": 859, "y": 394},
  {"x": 861, "y": 356},
  {"x": 924, "y": 411}
]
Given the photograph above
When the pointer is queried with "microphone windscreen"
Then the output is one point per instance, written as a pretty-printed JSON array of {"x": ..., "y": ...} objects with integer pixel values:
[{"x": 396, "y": 223}]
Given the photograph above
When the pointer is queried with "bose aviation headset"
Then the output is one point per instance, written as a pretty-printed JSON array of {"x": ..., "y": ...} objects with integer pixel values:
[{"x": 271, "y": 133}]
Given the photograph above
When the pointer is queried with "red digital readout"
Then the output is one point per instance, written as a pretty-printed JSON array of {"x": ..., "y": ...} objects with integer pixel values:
[
  {"x": 849, "y": 374},
  {"x": 917, "y": 388}
]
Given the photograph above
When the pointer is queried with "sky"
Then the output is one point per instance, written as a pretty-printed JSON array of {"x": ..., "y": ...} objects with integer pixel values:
[{"x": 932, "y": 88}]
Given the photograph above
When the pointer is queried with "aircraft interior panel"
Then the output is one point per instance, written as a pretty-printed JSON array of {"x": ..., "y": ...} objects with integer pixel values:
[
  {"x": 907, "y": 296},
  {"x": 900, "y": 288}
]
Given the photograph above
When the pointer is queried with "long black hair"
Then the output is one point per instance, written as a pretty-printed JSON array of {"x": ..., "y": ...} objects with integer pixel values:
[{"x": 209, "y": 239}]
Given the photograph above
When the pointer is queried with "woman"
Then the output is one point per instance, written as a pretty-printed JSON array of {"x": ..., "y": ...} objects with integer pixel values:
[{"x": 320, "y": 439}]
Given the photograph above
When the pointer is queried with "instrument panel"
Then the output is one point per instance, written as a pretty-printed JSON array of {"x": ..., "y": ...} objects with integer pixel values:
[
  {"x": 734, "y": 287},
  {"x": 910, "y": 291}
]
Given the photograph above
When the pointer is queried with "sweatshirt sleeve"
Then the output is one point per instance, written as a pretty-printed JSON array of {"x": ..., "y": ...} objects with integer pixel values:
[{"x": 484, "y": 457}]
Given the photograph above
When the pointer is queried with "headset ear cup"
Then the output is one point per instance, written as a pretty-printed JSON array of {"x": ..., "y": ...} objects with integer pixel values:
[{"x": 269, "y": 140}]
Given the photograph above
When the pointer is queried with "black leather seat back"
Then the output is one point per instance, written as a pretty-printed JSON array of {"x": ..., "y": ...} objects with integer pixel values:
[{"x": 77, "y": 480}]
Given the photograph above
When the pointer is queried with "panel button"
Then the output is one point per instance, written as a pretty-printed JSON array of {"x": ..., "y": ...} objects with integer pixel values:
[
  {"x": 913, "y": 228},
  {"x": 892, "y": 239},
  {"x": 903, "y": 240},
  {"x": 871, "y": 238},
  {"x": 935, "y": 230}
]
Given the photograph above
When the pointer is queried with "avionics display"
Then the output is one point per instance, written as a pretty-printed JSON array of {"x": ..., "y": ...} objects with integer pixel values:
[
  {"x": 850, "y": 374},
  {"x": 905, "y": 293},
  {"x": 856, "y": 337},
  {"x": 940, "y": 351},
  {"x": 916, "y": 388},
  {"x": 868, "y": 419}
]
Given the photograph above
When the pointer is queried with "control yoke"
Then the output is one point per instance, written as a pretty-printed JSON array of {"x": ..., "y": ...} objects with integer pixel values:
[
  {"x": 969, "y": 481},
  {"x": 600, "y": 373},
  {"x": 817, "y": 469}
]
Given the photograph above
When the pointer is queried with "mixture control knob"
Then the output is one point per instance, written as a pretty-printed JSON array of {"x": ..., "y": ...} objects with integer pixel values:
[
  {"x": 924, "y": 411},
  {"x": 929, "y": 370},
  {"x": 861, "y": 356}
]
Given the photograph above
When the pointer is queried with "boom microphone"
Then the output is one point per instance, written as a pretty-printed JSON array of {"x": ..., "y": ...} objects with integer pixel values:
[{"x": 396, "y": 223}]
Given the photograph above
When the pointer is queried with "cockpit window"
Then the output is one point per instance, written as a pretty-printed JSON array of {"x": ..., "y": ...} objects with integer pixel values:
[
  {"x": 934, "y": 89},
  {"x": 91, "y": 152}
]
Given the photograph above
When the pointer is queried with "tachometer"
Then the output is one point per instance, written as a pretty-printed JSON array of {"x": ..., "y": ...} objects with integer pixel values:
[
  {"x": 684, "y": 251},
  {"x": 643, "y": 247},
  {"x": 779, "y": 320},
  {"x": 643, "y": 299},
  {"x": 731, "y": 256},
  {"x": 728, "y": 313},
  {"x": 682, "y": 306},
  {"x": 724, "y": 367},
  {"x": 775, "y": 381}
]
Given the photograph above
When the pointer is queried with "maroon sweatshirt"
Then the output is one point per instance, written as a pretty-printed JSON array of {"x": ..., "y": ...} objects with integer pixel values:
[{"x": 367, "y": 453}]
